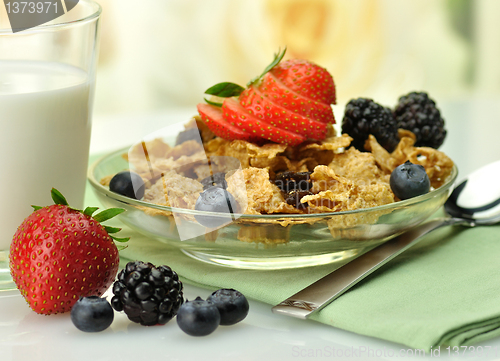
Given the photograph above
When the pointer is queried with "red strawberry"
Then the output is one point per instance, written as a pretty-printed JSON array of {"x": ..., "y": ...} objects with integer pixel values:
[
  {"x": 59, "y": 254},
  {"x": 254, "y": 101},
  {"x": 307, "y": 79},
  {"x": 280, "y": 94},
  {"x": 238, "y": 116},
  {"x": 212, "y": 116}
]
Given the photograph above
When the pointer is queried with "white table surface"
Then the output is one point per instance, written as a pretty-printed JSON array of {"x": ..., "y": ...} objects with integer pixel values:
[{"x": 24, "y": 335}]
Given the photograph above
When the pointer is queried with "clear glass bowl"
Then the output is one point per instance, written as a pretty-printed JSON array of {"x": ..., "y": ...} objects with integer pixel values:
[{"x": 270, "y": 241}]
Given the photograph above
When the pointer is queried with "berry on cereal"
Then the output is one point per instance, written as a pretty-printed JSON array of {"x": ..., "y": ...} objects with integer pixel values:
[
  {"x": 409, "y": 180},
  {"x": 418, "y": 113},
  {"x": 128, "y": 184}
]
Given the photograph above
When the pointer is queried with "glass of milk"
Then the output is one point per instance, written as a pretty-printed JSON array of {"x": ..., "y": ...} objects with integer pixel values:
[{"x": 47, "y": 77}]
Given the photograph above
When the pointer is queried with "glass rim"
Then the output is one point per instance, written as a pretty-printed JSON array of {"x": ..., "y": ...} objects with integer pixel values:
[
  {"x": 95, "y": 14},
  {"x": 447, "y": 186}
]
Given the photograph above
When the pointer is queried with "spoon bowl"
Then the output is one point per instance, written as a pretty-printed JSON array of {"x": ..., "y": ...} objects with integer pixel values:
[{"x": 475, "y": 201}]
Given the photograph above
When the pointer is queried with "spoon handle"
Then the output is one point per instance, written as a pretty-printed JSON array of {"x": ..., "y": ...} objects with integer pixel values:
[{"x": 325, "y": 290}]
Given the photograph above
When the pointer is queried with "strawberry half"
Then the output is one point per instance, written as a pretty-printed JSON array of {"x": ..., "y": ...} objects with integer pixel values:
[
  {"x": 280, "y": 94},
  {"x": 238, "y": 116},
  {"x": 59, "y": 254},
  {"x": 255, "y": 103},
  {"x": 307, "y": 79},
  {"x": 212, "y": 116}
]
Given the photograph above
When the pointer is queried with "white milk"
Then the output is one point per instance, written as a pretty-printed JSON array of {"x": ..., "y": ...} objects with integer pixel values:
[{"x": 44, "y": 138}]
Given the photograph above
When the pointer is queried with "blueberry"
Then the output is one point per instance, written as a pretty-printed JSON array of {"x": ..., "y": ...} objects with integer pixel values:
[
  {"x": 198, "y": 317},
  {"x": 232, "y": 305},
  {"x": 127, "y": 184},
  {"x": 215, "y": 199},
  {"x": 92, "y": 314},
  {"x": 409, "y": 180},
  {"x": 217, "y": 180},
  {"x": 188, "y": 134}
]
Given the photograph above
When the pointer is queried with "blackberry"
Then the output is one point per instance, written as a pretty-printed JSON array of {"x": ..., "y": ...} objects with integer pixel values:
[
  {"x": 216, "y": 180},
  {"x": 363, "y": 116},
  {"x": 418, "y": 113},
  {"x": 291, "y": 181},
  {"x": 188, "y": 134},
  {"x": 147, "y": 294}
]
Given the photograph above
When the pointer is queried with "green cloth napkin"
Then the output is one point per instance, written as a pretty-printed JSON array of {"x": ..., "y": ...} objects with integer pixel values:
[{"x": 445, "y": 291}]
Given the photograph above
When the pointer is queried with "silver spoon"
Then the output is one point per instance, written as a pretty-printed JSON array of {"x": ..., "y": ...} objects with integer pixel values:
[{"x": 475, "y": 201}]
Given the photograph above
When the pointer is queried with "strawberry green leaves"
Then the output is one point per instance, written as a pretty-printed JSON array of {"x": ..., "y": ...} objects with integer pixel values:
[
  {"x": 225, "y": 90},
  {"x": 103, "y": 216}
]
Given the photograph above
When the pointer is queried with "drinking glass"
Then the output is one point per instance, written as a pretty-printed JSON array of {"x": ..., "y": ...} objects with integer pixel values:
[{"x": 47, "y": 78}]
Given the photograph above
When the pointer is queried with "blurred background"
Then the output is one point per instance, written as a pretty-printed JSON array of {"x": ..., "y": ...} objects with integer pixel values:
[{"x": 158, "y": 58}]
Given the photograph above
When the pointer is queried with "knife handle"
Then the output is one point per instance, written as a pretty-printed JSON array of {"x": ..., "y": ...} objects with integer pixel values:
[{"x": 325, "y": 290}]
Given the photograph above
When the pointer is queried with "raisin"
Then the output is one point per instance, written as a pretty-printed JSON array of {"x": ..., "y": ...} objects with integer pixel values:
[
  {"x": 291, "y": 181},
  {"x": 293, "y": 198}
]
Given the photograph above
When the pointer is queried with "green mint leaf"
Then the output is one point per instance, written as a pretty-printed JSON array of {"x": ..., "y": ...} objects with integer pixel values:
[
  {"x": 120, "y": 239},
  {"x": 277, "y": 58},
  {"x": 58, "y": 198},
  {"x": 36, "y": 208},
  {"x": 89, "y": 211},
  {"x": 225, "y": 90},
  {"x": 213, "y": 103},
  {"x": 111, "y": 229},
  {"x": 108, "y": 214}
]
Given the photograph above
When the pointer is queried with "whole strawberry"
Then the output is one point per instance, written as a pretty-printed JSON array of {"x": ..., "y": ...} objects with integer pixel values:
[{"x": 59, "y": 254}]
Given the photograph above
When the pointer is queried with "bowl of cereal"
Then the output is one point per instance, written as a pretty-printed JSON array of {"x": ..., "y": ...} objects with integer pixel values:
[
  {"x": 261, "y": 179},
  {"x": 316, "y": 203}
]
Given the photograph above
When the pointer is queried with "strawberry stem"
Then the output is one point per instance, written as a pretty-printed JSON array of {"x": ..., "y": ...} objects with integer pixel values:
[{"x": 277, "y": 58}]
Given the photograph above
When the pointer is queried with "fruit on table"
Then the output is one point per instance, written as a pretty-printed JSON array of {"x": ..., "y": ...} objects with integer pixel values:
[
  {"x": 128, "y": 184},
  {"x": 148, "y": 295},
  {"x": 232, "y": 305},
  {"x": 199, "y": 317},
  {"x": 418, "y": 113},
  {"x": 363, "y": 116},
  {"x": 59, "y": 254},
  {"x": 288, "y": 103},
  {"x": 92, "y": 314},
  {"x": 409, "y": 180},
  {"x": 215, "y": 199}
]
